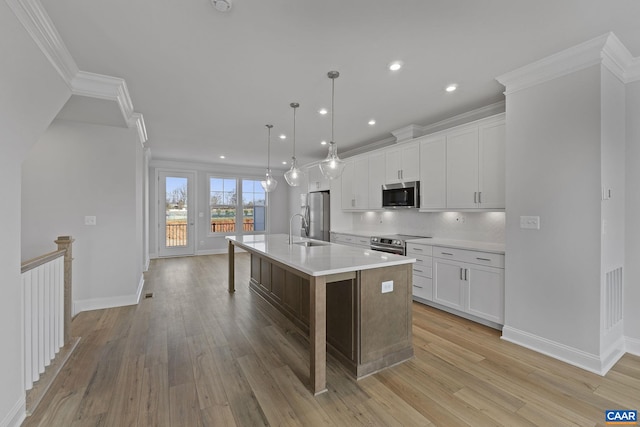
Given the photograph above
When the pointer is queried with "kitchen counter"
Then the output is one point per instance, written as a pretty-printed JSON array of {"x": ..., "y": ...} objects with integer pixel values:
[
  {"x": 354, "y": 302},
  {"x": 326, "y": 259}
]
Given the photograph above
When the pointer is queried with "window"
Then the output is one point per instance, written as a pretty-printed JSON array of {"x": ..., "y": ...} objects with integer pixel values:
[{"x": 237, "y": 205}]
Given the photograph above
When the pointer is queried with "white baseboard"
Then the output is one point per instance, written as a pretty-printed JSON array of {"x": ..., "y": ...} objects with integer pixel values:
[
  {"x": 153, "y": 255},
  {"x": 632, "y": 346},
  {"x": 581, "y": 359},
  {"x": 146, "y": 264},
  {"x": 16, "y": 415},
  {"x": 140, "y": 288},
  {"x": 101, "y": 303}
]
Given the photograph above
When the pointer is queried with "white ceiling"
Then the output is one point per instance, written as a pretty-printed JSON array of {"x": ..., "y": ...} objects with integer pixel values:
[{"x": 208, "y": 82}]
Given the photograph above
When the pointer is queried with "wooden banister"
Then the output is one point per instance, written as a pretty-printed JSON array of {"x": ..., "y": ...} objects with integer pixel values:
[{"x": 65, "y": 243}]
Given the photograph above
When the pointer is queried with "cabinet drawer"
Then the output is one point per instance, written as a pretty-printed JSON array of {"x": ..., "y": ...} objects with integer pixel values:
[
  {"x": 414, "y": 249},
  {"x": 424, "y": 269},
  {"x": 423, "y": 287},
  {"x": 473, "y": 257}
]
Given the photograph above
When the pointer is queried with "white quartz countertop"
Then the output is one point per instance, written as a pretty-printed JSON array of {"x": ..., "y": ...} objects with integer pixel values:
[
  {"x": 473, "y": 245},
  {"x": 329, "y": 258},
  {"x": 462, "y": 244}
]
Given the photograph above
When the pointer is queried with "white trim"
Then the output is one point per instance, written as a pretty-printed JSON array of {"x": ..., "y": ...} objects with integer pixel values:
[
  {"x": 472, "y": 116},
  {"x": 632, "y": 345},
  {"x": 140, "y": 288},
  {"x": 101, "y": 303},
  {"x": 605, "y": 49},
  {"x": 573, "y": 356},
  {"x": 16, "y": 414},
  {"x": 633, "y": 72},
  {"x": 36, "y": 21}
]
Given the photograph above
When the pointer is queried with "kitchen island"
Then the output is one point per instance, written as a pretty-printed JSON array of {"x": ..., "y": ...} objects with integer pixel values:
[{"x": 354, "y": 302}]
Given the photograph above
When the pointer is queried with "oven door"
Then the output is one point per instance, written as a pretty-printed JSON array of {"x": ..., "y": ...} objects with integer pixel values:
[{"x": 388, "y": 249}]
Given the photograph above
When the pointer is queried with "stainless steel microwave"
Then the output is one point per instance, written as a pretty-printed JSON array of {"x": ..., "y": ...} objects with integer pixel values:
[{"x": 401, "y": 195}]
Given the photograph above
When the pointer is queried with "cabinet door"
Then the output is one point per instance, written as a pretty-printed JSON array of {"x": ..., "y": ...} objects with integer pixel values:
[
  {"x": 462, "y": 169},
  {"x": 361, "y": 183},
  {"x": 433, "y": 173},
  {"x": 492, "y": 146},
  {"x": 347, "y": 198},
  {"x": 410, "y": 162},
  {"x": 486, "y": 292},
  {"x": 393, "y": 160},
  {"x": 376, "y": 180},
  {"x": 448, "y": 286}
]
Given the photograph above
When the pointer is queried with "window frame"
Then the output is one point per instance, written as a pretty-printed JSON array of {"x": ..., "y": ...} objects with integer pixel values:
[{"x": 239, "y": 217}]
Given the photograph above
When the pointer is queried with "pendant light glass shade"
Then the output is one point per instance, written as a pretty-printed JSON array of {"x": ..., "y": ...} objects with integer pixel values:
[
  {"x": 332, "y": 166},
  {"x": 269, "y": 184},
  {"x": 294, "y": 175}
]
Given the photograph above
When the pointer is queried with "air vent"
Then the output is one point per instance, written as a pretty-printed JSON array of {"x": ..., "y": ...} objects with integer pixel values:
[{"x": 613, "y": 298}]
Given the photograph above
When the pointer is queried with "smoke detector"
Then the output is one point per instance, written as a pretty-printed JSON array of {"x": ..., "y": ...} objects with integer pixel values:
[{"x": 222, "y": 5}]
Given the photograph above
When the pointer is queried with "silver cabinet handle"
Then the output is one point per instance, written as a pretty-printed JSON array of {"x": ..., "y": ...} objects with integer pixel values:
[
  {"x": 446, "y": 253},
  {"x": 475, "y": 197},
  {"x": 466, "y": 272},
  {"x": 461, "y": 274},
  {"x": 417, "y": 249},
  {"x": 416, "y": 286},
  {"x": 479, "y": 196},
  {"x": 419, "y": 271},
  {"x": 482, "y": 259}
]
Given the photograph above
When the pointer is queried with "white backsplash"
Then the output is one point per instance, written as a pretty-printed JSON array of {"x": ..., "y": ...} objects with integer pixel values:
[{"x": 478, "y": 226}]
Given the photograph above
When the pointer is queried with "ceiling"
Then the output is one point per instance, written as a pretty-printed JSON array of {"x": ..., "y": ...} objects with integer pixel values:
[{"x": 207, "y": 82}]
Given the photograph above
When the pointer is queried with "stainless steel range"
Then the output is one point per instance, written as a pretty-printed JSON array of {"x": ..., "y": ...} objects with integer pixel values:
[{"x": 394, "y": 243}]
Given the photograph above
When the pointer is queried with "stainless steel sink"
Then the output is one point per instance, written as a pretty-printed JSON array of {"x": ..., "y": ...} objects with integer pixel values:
[{"x": 308, "y": 243}]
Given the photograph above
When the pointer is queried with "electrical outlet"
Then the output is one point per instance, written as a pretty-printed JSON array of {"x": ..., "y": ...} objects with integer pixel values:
[
  {"x": 89, "y": 220},
  {"x": 387, "y": 286},
  {"x": 530, "y": 222},
  {"x": 460, "y": 219}
]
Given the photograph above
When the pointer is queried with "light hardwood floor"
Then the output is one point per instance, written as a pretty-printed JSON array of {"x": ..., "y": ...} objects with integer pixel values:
[{"x": 195, "y": 355}]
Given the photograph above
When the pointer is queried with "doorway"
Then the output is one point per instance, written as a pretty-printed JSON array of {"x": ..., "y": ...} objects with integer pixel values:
[{"x": 176, "y": 205}]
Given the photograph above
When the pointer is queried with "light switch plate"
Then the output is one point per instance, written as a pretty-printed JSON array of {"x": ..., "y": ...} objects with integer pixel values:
[
  {"x": 387, "y": 286},
  {"x": 530, "y": 222},
  {"x": 89, "y": 220}
]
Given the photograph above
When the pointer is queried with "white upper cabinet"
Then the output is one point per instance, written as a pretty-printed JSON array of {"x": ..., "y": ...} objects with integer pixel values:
[
  {"x": 355, "y": 184},
  {"x": 317, "y": 181},
  {"x": 462, "y": 169},
  {"x": 402, "y": 164},
  {"x": 376, "y": 179},
  {"x": 433, "y": 173},
  {"x": 492, "y": 151}
]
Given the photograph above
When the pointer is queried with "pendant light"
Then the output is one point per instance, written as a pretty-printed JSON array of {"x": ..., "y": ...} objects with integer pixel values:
[
  {"x": 269, "y": 184},
  {"x": 294, "y": 175},
  {"x": 332, "y": 166}
]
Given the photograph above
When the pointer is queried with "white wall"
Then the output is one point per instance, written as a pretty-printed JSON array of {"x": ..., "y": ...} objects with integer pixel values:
[
  {"x": 632, "y": 275},
  {"x": 32, "y": 94},
  {"x": 552, "y": 283},
  {"x": 278, "y": 202},
  {"x": 76, "y": 170}
]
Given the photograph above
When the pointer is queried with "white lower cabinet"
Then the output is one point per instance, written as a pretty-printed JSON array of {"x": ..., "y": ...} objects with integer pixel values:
[
  {"x": 350, "y": 239},
  {"x": 470, "y": 281},
  {"x": 422, "y": 270}
]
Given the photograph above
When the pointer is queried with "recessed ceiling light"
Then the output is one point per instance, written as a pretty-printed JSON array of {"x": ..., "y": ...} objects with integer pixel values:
[
  {"x": 323, "y": 142},
  {"x": 451, "y": 87},
  {"x": 284, "y": 163},
  {"x": 283, "y": 136},
  {"x": 222, "y": 157},
  {"x": 372, "y": 122},
  {"x": 395, "y": 65},
  {"x": 323, "y": 111},
  {"x": 222, "y": 5}
]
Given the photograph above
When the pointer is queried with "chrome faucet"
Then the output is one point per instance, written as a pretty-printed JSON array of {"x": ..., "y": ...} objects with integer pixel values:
[{"x": 304, "y": 224}]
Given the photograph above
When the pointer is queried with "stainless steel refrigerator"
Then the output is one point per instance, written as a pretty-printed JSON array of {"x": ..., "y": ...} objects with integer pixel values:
[{"x": 315, "y": 208}]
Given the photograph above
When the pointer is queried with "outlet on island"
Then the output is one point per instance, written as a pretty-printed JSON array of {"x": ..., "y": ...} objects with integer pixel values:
[{"x": 387, "y": 286}]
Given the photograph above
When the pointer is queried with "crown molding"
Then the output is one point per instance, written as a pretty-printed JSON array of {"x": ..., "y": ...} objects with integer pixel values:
[
  {"x": 464, "y": 118},
  {"x": 606, "y": 50},
  {"x": 407, "y": 133},
  {"x": 36, "y": 21}
]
